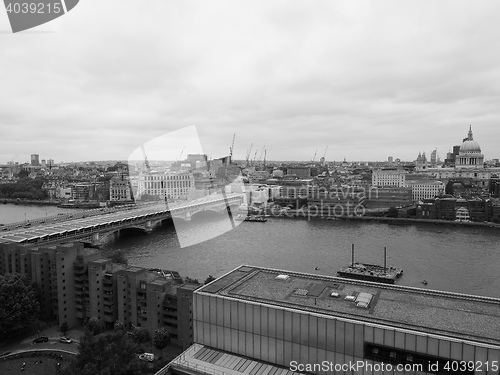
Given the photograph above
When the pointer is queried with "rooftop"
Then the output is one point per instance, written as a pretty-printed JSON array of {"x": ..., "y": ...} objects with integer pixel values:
[{"x": 451, "y": 314}]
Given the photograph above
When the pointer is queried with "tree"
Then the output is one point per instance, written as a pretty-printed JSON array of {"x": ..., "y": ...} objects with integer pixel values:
[
  {"x": 189, "y": 280},
  {"x": 94, "y": 326},
  {"x": 64, "y": 328},
  {"x": 118, "y": 256},
  {"x": 19, "y": 306},
  {"x": 161, "y": 338},
  {"x": 209, "y": 279},
  {"x": 112, "y": 354},
  {"x": 392, "y": 212},
  {"x": 119, "y": 326},
  {"x": 140, "y": 335}
]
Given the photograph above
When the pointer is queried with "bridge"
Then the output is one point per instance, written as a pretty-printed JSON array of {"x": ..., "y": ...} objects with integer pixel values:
[{"x": 94, "y": 229}]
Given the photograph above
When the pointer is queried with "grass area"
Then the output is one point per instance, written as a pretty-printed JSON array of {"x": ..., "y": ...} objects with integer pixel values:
[{"x": 45, "y": 366}]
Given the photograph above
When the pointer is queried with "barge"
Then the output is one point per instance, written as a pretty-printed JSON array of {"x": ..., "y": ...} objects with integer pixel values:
[{"x": 371, "y": 272}]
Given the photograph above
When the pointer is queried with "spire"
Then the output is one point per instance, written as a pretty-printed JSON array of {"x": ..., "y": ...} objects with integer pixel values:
[{"x": 470, "y": 133}]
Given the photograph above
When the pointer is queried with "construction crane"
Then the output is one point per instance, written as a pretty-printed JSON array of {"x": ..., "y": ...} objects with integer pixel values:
[
  {"x": 180, "y": 156},
  {"x": 314, "y": 157},
  {"x": 146, "y": 162},
  {"x": 324, "y": 155},
  {"x": 248, "y": 153},
  {"x": 260, "y": 157},
  {"x": 231, "y": 148},
  {"x": 254, "y": 157},
  {"x": 265, "y": 153}
]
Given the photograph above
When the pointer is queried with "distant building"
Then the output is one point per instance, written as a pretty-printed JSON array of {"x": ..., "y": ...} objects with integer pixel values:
[
  {"x": 390, "y": 159},
  {"x": 165, "y": 185},
  {"x": 299, "y": 171},
  {"x": 425, "y": 189},
  {"x": 388, "y": 177},
  {"x": 35, "y": 160},
  {"x": 450, "y": 208},
  {"x": 119, "y": 190},
  {"x": 434, "y": 158},
  {"x": 470, "y": 155}
]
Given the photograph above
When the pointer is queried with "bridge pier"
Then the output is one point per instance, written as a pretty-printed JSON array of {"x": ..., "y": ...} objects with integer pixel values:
[{"x": 95, "y": 238}]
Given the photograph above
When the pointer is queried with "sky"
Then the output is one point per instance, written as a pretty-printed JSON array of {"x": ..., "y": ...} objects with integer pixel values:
[{"x": 368, "y": 79}]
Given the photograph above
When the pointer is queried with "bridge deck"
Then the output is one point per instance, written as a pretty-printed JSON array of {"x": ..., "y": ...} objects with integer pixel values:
[{"x": 107, "y": 221}]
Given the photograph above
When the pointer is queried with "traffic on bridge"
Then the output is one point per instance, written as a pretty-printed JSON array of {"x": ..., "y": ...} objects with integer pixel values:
[{"x": 81, "y": 227}]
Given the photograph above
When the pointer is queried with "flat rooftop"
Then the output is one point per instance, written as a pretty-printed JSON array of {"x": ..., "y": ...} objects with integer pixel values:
[{"x": 435, "y": 312}]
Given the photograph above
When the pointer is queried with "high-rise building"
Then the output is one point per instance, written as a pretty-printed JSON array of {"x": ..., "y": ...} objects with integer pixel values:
[
  {"x": 434, "y": 158},
  {"x": 35, "y": 160}
]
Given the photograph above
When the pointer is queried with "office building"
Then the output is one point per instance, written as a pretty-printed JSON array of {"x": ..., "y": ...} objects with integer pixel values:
[
  {"x": 387, "y": 177},
  {"x": 35, "y": 160},
  {"x": 165, "y": 185},
  {"x": 425, "y": 189},
  {"x": 120, "y": 190}
]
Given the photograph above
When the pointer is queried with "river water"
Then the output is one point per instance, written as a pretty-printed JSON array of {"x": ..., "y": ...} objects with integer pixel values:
[{"x": 457, "y": 259}]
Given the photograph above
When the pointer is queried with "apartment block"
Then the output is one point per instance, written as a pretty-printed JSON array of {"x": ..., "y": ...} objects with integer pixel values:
[{"x": 77, "y": 283}]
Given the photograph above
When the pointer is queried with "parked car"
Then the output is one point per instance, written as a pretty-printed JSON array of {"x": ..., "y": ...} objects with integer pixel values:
[
  {"x": 66, "y": 340},
  {"x": 40, "y": 339},
  {"x": 147, "y": 357}
]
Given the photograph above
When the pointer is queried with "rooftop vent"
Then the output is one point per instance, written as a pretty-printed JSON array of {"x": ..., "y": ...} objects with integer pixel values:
[
  {"x": 301, "y": 292},
  {"x": 282, "y": 277},
  {"x": 334, "y": 294},
  {"x": 363, "y": 300},
  {"x": 350, "y": 298}
]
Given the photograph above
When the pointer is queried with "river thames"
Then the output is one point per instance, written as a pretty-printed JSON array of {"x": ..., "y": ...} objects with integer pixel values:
[{"x": 464, "y": 260}]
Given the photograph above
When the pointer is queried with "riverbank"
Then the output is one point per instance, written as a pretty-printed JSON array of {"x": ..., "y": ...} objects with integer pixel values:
[
  {"x": 28, "y": 202},
  {"x": 388, "y": 220}
]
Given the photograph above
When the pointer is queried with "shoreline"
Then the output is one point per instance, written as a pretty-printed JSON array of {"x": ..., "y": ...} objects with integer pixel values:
[
  {"x": 389, "y": 220},
  {"x": 27, "y": 202}
]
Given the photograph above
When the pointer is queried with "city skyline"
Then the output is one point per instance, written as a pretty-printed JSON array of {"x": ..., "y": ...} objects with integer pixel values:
[{"x": 368, "y": 81}]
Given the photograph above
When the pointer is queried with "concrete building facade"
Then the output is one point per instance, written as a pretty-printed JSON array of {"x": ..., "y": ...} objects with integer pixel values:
[{"x": 289, "y": 319}]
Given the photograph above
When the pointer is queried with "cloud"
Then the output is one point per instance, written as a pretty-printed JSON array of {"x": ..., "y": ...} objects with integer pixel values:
[{"x": 367, "y": 78}]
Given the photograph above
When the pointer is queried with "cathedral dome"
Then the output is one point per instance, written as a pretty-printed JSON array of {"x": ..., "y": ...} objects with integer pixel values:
[{"x": 470, "y": 146}]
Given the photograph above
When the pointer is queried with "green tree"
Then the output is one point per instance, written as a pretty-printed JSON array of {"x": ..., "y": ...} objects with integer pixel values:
[
  {"x": 161, "y": 338},
  {"x": 94, "y": 326},
  {"x": 209, "y": 279},
  {"x": 140, "y": 335},
  {"x": 118, "y": 256},
  {"x": 19, "y": 306},
  {"x": 119, "y": 326},
  {"x": 111, "y": 354}
]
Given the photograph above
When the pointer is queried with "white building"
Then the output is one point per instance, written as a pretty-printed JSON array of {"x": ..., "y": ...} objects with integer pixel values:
[
  {"x": 388, "y": 177},
  {"x": 164, "y": 185},
  {"x": 425, "y": 189}
]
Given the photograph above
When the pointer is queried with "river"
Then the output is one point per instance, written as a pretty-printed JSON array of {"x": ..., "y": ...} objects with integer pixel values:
[{"x": 457, "y": 259}]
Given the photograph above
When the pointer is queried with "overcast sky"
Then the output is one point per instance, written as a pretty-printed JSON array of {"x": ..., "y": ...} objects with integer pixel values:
[{"x": 367, "y": 78}]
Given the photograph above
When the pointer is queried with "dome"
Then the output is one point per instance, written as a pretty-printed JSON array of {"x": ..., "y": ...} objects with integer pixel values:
[{"x": 470, "y": 147}]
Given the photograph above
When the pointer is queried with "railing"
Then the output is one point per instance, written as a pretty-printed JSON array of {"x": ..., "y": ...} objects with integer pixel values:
[{"x": 110, "y": 226}]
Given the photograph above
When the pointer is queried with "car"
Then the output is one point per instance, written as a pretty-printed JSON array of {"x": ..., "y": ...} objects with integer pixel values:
[
  {"x": 40, "y": 339},
  {"x": 66, "y": 340},
  {"x": 147, "y": 357}
]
